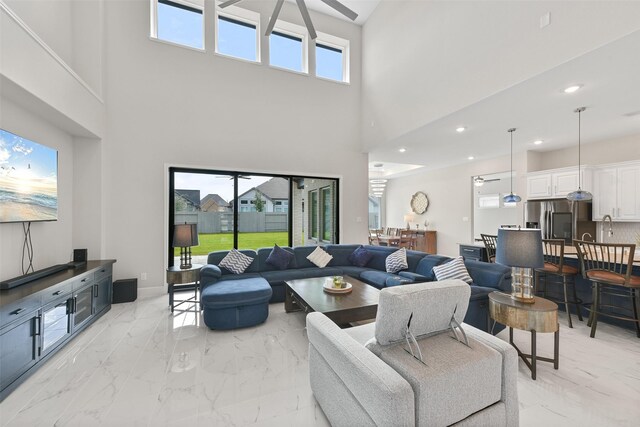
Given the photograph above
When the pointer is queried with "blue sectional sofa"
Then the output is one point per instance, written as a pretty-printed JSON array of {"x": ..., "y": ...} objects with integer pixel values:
[{"x": 486, "y": 277}]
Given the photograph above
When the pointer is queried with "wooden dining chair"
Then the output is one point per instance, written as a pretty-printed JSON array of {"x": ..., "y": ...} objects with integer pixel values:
[
  {"x": 408, "y": 239},
  {"x": 553, "y": 252},
  {"x": 490, "y": 242},
  {"x": 374, "y": 235},
  {"x": 609, "y": 266}
]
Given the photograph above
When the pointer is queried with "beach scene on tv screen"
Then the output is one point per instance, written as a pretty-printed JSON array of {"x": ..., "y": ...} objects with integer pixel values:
[{"x": 28, "y": 180}]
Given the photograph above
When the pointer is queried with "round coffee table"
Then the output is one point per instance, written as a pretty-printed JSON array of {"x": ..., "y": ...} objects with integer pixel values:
[{"x": 541, "y": 316}]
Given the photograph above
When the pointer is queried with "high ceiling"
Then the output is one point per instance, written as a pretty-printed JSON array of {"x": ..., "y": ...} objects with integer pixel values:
[{"x": 362, "y": 7}]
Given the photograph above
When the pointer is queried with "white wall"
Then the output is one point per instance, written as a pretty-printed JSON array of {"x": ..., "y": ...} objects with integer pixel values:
[
  {"x": 450, "y": 198},
  {"x": 599, "y": 153},
  {"x": 73, "y": 29},
  {"x": 52, "y": 241},
  {"x": 174, "y": 106}
]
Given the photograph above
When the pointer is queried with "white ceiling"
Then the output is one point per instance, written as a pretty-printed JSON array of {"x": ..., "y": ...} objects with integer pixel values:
[
  {"x": 362, "y": 7},
  {"x": 539, "y": 109}
]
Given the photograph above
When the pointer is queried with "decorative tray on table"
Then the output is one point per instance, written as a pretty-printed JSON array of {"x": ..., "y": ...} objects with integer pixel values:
[{"x": 329, "y": 288}]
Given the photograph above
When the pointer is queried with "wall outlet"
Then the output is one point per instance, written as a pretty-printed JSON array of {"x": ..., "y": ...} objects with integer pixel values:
[
  {"x": 545, "y": 20},
  {"x": 465, "y": 219},
  {"x": 143, "y": 276}
]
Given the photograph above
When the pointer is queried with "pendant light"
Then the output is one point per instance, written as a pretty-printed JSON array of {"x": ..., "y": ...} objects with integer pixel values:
[
  {"x": 511, "y": 198},
  {"x": 580, "y": 194}
]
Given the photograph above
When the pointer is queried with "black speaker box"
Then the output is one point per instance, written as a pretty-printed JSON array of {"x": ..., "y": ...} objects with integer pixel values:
[
  {"x": 125, "y": 290},
  {"x": 79, "y": 255}
]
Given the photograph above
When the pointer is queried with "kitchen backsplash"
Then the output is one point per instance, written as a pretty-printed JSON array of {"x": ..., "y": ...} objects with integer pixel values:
[{"x": 623, "y": 232}]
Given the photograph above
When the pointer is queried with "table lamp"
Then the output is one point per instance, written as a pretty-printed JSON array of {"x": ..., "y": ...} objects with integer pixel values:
[
  {"x": 408, "y": 218},
  {"x": 522, "y": 251},
  {"x": 184, "y": 236}
]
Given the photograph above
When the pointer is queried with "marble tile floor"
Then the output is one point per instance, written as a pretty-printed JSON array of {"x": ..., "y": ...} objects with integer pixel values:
[{"x": 139, "y": 365}]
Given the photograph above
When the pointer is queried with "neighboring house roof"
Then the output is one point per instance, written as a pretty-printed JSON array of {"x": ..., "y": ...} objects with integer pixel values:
[
  {"x": 275, "y": 188},
  {"x": 214, "y": 198},
  {"x": 192, "y": 197}
]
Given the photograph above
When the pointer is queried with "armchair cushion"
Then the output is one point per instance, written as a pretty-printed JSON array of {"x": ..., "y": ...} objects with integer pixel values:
[{"x": 432, "y": 305}]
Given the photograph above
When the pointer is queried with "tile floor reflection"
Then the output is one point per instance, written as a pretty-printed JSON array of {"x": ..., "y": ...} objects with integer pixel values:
[{"x": 139, "y": 365}]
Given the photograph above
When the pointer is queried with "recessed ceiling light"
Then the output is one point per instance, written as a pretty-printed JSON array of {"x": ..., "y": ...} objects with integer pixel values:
[
  {"x": 572, "y": 89},
  {"x": 378, "y": 187},
  {"x": 378, "y": 181},
  {"x": 538, "y": 142},
  {"x": 470, "y": 157},
  {"x": 460, "y": 129},
  {"x": 402, "y": 150},
  {"x": 377, "y": 194}
]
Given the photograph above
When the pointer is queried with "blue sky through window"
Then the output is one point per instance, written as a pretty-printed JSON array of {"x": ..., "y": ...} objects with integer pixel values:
[
  {"x": 180, "y": 25},
  {"x": 329, "y": 63},
  {"x": 285, "y": 51},
  {"x": 236, "y": 38}
]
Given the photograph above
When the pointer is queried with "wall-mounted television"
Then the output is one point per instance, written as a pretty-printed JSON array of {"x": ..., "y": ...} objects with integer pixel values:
[{"x": 28, "y": 180}]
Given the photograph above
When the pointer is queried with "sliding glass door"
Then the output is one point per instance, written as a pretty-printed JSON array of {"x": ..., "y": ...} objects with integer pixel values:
[{"x": 250, "y": 211}]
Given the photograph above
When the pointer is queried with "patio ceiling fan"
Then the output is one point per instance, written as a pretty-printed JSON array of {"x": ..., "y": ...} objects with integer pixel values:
[{"x": 335, "y": 4}]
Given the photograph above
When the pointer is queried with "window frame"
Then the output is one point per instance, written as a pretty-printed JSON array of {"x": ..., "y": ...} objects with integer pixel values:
[
  {"x": 314, "y": 229},
  {"x": 326, "y": 193},
  {"x": 241, "y": 15},
  {"x": 296, "y": 31},
  {"x": 184, "y": 4},
  {"x": 335, "y": 42}
]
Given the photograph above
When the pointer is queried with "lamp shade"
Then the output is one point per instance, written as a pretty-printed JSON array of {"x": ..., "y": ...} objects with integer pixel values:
[
  {"x": 408, "y": 218},
  {"x": 185, "y": 235},
  {"x": 519, "y": 248}
]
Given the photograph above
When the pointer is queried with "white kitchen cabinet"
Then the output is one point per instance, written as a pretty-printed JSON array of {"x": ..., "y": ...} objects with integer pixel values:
[
  {"x": 556, "y": 183},
  {"x": 539, "y": 186},
  {"x": 564, "y": 183},
  {"x": 616, "y": 192}
]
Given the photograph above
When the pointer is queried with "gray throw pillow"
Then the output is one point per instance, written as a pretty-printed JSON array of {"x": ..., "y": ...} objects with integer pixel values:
[
  {"x": 236, "y": 262},
  {"x": 454, "y": 269}
]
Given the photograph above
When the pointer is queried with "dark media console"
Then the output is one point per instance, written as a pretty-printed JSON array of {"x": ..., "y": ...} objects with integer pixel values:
[{"x": 39, "y": 317}]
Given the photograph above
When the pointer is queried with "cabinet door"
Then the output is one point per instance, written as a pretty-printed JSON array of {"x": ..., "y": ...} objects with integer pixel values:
[
  {"x": 56, "y": 327},
  {"x": 628, "y": 194},
  {"x": 538, "y": 186},
  {"x": 82, "y": 306},
  {"x": 565, "y": 182},
  {"x": 18, "y": 349},
  {"x": 102, "y": 294},
  {"x": 604, "y": 193}
]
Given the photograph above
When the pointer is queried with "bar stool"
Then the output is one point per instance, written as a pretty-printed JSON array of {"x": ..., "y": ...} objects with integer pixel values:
[
  {"x": 608, "y": 267},
  {"x": 553, "y": 251},
  {"x": 490, "y": 243}
]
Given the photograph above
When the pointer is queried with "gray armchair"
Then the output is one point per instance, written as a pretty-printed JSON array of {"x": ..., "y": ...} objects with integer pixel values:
[{"x": 365, "y": 376}]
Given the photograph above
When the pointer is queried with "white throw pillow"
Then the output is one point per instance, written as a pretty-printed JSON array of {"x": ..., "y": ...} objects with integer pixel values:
[
  {"x": 236, "y": 262},
  {"x": 454, "y": 269},
  {"x": 319, "y": 257},
  {"x": 397, "y": 261}
]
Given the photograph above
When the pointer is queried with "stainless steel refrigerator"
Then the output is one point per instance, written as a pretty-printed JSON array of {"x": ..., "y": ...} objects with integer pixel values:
[{"x": 561, "y": 219}]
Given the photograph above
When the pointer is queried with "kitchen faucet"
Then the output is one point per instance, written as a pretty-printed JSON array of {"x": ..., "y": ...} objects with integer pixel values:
[
  {"x": 586, "y": 234},
  {"x": 610, "y": 232}
]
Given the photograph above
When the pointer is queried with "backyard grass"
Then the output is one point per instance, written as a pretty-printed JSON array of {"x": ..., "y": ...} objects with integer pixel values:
[{"x": 222, "y": 241}]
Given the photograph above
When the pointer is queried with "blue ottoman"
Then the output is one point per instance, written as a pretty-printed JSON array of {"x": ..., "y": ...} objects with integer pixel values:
[{"x": 231, "y": 304}]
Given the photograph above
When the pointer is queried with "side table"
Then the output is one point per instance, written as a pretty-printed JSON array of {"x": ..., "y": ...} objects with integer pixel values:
[
  {"x": 541, "y": 316},
  {"x": 178, "y": 276}
]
